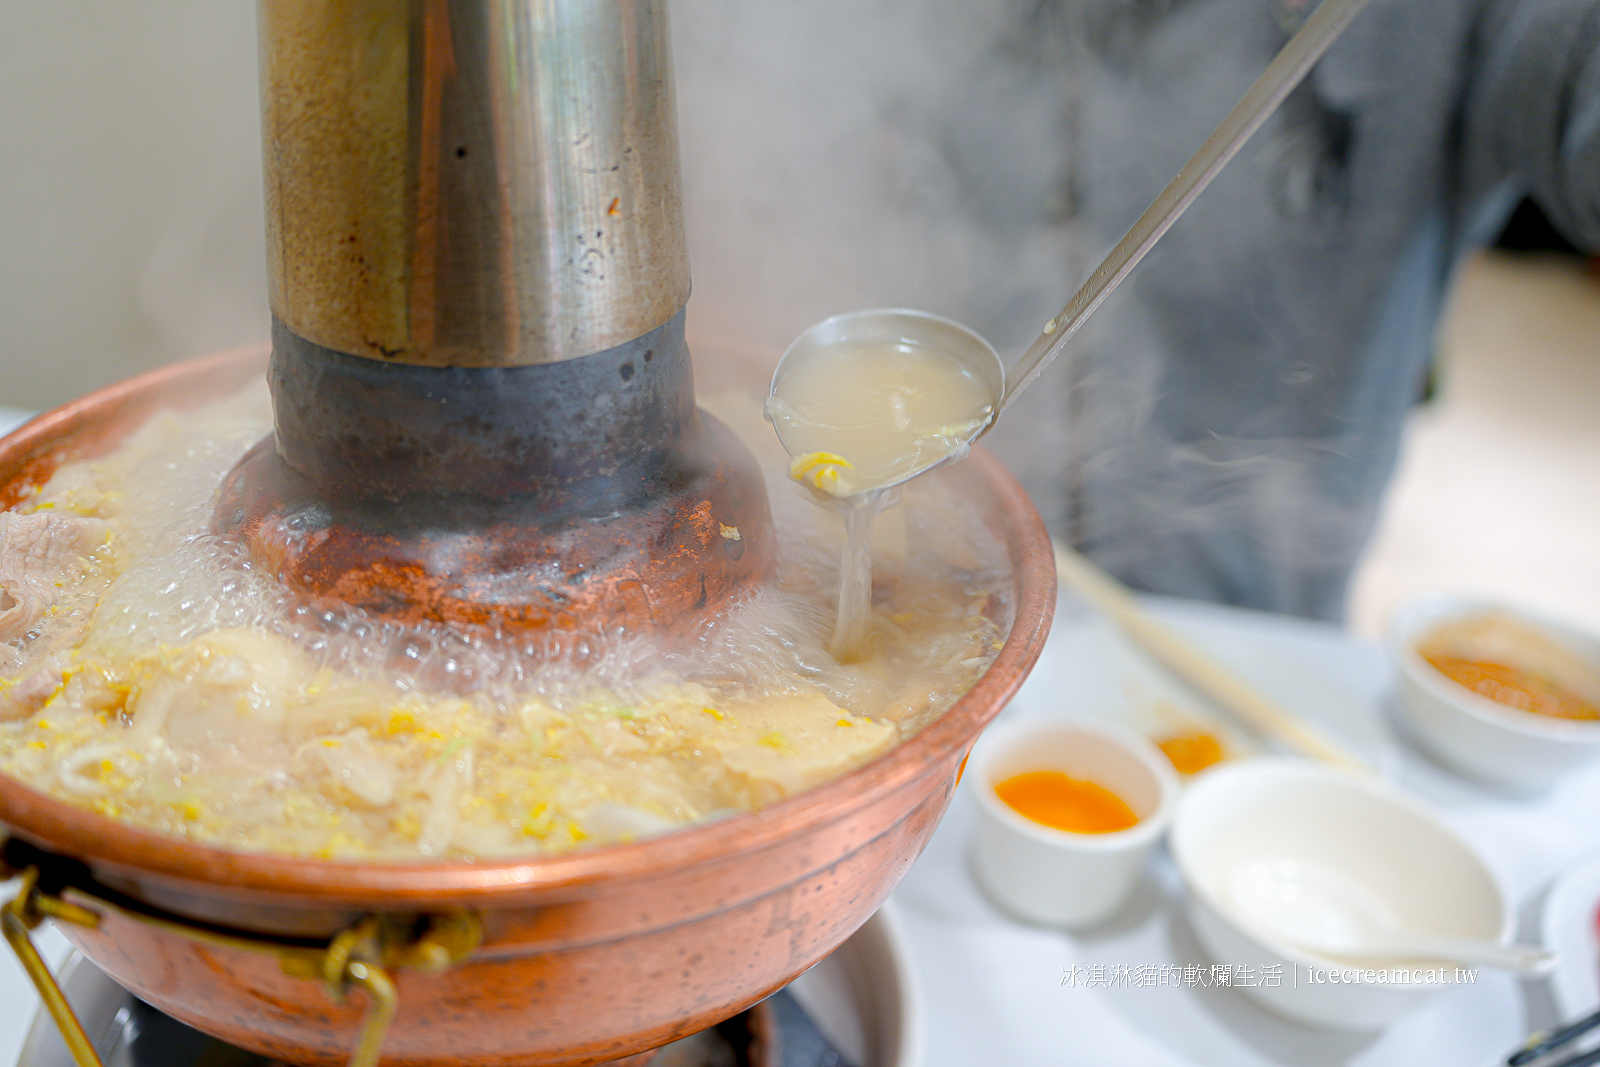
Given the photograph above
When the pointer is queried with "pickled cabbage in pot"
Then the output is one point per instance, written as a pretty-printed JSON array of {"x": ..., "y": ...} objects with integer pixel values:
[{"x": 149, "y": 672}]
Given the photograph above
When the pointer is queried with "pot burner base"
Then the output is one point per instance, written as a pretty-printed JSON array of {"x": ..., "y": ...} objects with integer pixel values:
[{"x": 589, "y": 495}]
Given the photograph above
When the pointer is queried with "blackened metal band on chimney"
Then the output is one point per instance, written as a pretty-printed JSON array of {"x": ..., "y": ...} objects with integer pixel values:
[
  {"x": 580, "y": 497},
  {"x": 594, "y": 436}
]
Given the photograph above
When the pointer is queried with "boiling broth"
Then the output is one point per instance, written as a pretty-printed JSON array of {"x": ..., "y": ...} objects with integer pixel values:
[{"x": 157, "y": 676}]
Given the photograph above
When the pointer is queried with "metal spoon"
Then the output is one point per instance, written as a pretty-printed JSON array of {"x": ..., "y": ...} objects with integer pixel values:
[{"x": 1286, "y": 71}]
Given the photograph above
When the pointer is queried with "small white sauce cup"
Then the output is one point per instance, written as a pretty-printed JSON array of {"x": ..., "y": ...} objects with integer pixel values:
[{"x": 1053, "y": 877}]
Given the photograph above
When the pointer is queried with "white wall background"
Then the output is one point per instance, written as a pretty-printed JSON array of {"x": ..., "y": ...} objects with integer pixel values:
[
  {"x": 130, "y": 190},
  {"x": 823, "y": 170}
]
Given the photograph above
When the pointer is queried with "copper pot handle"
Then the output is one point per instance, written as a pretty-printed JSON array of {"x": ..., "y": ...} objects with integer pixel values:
[{"x": 362, "y": 955}]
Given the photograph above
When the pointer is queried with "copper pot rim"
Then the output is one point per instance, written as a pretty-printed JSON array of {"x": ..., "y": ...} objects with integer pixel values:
[{"x": 99, "y": 840}]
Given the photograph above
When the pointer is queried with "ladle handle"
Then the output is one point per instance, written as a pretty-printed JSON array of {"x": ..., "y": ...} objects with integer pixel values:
[{"x": 1297, "y": 57}]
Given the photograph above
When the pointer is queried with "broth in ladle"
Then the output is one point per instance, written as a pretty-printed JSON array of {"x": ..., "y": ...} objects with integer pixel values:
[{"x": 859, "y": 419}]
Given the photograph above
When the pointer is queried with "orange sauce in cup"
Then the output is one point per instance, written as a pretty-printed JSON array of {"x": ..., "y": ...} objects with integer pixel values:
[
  {"x": 1054, "y": 799},
  {"x": 1191, "y": 753}
]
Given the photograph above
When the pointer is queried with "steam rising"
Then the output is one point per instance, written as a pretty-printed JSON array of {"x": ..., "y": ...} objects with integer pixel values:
[
  {"x": 841, "y": 155},
  {"x": 975, "y": 158}
]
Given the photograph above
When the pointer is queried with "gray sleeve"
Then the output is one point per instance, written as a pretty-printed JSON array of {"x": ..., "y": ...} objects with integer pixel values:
[{"x": 1532, "y": 115}]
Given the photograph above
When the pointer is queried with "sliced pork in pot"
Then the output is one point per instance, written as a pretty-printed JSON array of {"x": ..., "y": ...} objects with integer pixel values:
[{"x": 39, "y": 554}]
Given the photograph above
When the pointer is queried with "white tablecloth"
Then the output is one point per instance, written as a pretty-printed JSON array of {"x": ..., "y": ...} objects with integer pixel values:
[
  {"x": 992, "y": 987},
  {"x": 11, "y": 418}
]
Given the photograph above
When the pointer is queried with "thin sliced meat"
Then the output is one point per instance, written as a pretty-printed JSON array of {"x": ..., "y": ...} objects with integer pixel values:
[
  {"x": 30, "y": 693},
  {"x": 39, "y": 552}
]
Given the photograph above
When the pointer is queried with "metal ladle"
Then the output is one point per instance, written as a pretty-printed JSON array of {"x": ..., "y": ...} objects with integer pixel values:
[{"x": 1287, "y": 69}]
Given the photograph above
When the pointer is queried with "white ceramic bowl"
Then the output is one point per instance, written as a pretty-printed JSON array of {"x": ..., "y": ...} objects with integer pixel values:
[
  {"x": 1572, "y": 932},
  {"x": 1470, "y": 732},
  {"x": 1053, "y": 877},
  {"x": 1359, "y": 835}
]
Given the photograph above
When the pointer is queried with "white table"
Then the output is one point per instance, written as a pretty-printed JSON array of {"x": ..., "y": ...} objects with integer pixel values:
[
  {"x": 11, "y": 418},
  {"x": 992, "y": 987}
]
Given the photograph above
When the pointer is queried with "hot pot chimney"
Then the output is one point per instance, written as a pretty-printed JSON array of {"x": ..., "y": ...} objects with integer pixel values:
[{"x": 484, "y": 406}]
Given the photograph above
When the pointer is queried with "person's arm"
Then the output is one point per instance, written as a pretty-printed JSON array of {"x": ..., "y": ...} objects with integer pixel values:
[{"x": 1532, "y": 116}]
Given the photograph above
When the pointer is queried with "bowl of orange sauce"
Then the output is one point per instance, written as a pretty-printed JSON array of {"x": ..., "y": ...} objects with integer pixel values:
[
  {"x": 1068, "y": 812},
  {"x": 1504, "y": 695}
]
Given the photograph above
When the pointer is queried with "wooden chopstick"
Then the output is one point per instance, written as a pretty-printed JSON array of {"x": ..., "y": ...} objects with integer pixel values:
[{"x": 1211, "y": 679}]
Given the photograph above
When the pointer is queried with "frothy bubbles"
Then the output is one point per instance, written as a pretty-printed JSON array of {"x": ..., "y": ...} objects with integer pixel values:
[{"x": 190, "y": 693}]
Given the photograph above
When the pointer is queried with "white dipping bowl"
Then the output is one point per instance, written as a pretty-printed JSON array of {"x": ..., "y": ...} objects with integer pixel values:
[
  {"x": 1054, "y": 877},
  {"x": 1469, "y": 732},
  {"x": 1370, "y": 838}
]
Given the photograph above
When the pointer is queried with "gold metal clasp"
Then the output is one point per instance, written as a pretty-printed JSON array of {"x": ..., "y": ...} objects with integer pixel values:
[
  {"x": 355, "y": 957},
  {"x": 365, "y": 953},
  {"x": 23, "y": 913},
  {"x": 362, "y": 956}
]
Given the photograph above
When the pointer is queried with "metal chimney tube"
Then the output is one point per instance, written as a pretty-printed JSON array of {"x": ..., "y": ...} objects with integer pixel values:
[
  {"x": 471, "y": 184},
  {"x": 484, "y": 405}
]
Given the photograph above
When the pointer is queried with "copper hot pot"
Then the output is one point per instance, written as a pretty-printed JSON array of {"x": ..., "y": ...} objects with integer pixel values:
[{"x": 574, "y": 959}]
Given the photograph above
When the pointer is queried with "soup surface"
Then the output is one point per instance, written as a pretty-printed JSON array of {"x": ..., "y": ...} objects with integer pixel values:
[
  {"x": 1515, "y": 687},
  {"x": 152, "y": 674},
  {"x": 1516, "y": 665}
]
